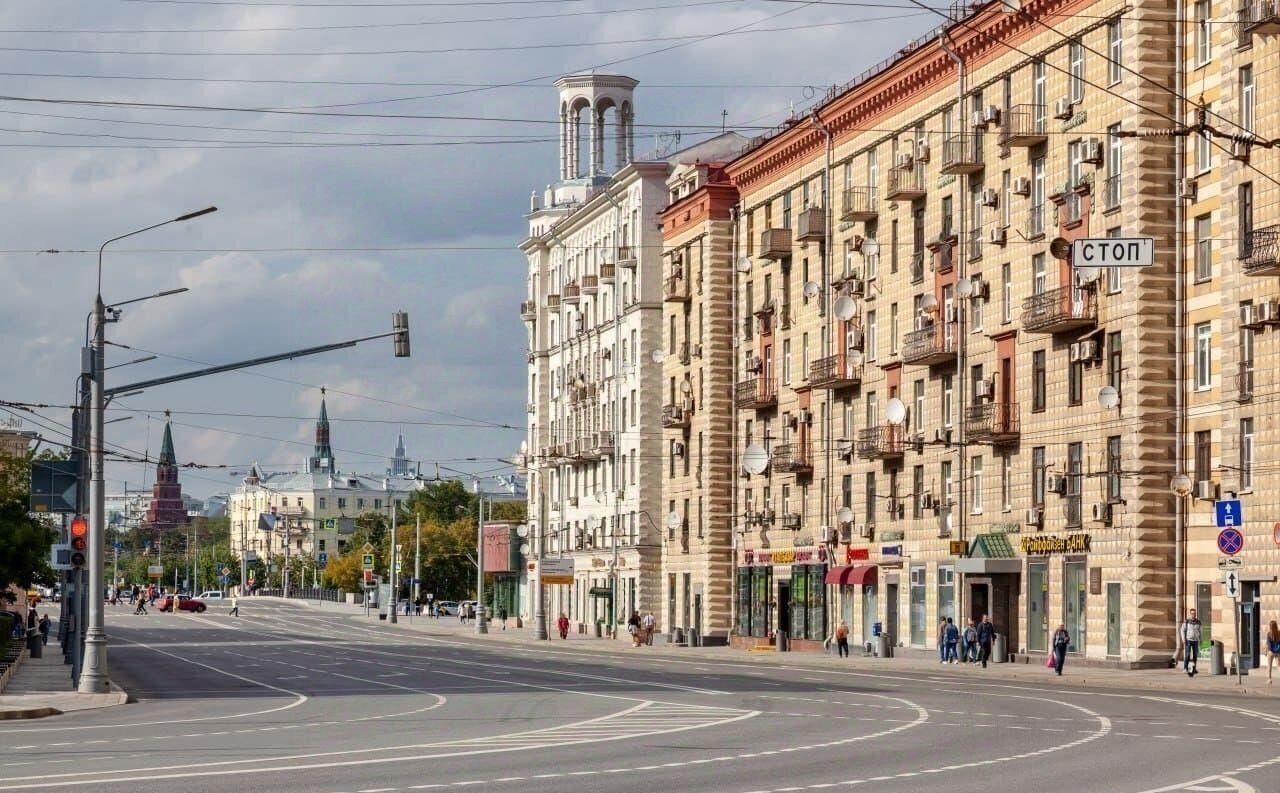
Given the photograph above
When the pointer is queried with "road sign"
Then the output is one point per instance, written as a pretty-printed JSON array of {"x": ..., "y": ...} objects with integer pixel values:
[
  {"x": 1227, "y": 562},
  {"x": 368, "y": 547},
  {"x": 367, "y": 561},
  {"x": 368, "y": 575},
  {"x": 226, "y": 571},
  {"x": 322, "y": 558},
  {"x": 1228, "y": 513},
  {"x": 1230, "y": 541},
  {"x": 1114, "y": 252},
  {"x": 1232, "y": 582},
  {"x": 557, "y": 571},
  {"x": 54, "y": 485}
]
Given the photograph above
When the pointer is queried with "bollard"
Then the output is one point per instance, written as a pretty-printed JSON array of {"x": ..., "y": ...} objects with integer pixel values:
[
  {"x": 34, "y": 644},
  {"x": 1217, "y": 662},
  {"x": 883, "y": 648},
  {"x": 781, "y": 639},
  {"x": 1000, "y": 649}
]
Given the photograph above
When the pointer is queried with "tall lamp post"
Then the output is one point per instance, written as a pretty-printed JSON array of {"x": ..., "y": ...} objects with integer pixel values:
[{"x": 93, "y": 673}]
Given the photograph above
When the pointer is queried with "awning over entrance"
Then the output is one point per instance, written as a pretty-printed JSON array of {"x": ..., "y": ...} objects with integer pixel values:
[
  {"x": 853, "y": 575},
  {"x": 990, "y": 553},
  {"x": 600, "y": 592}
]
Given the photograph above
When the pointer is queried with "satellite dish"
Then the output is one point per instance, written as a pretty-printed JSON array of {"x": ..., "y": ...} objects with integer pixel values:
[
  {"x": 870, "y": 247},
  {"x": 524, "y": 549},
  {"x": 844, "y": 515},
  {"x": 845, "y": 309},
  {"x": 673, "y": 520},
  {"x": 1108, "y": 397},
  {"x": 755, "y": 459},
  {"x": 744, "y": 264},
  {"x": 929, "y": 303},
  {"x": 1059, "y": 248},
  {"x": 657, "y": 356},
  {"x": 1088, "y": 275},
  {"x": 522, "y": 531},
  {"x": 811, "y": 289},
  {"x": 964, "y": 288},
  {"x": 685, "y": 386},
  {"x": 895, "y": 411},
  {"x": 1180, "y": 485}
]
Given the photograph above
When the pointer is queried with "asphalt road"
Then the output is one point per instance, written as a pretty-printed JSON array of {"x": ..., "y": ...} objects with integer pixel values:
[{"x": 290, "y": 699}]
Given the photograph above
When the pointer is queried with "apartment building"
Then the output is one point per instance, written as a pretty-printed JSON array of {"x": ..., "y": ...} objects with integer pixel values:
[
  {"x": 697, "y": 404},
  {"x": 594, "y": 313},
  {"x": 923, "y": 372}
]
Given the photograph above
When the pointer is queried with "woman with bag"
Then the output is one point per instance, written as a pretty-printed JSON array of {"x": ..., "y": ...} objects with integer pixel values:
[
  {"x": 1061, "y": 640},
  {"x": 1273, "y": 648},
  {"x": 633, "y": 627}
]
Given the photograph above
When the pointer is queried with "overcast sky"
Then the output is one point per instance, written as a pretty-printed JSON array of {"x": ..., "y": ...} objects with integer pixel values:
[{"x": 298, "y": 253}]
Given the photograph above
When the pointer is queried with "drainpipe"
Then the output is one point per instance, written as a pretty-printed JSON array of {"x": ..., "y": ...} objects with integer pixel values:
[
  {"x": 734, "y": 454},
  {"x": 817, "y": 123},
  {"x": 1179, "y": 410}
]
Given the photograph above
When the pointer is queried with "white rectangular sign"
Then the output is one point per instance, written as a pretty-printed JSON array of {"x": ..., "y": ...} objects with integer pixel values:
[
  {"x": 1225, "y": 562},
  {"x": 556, "y": 571},
  {"x": 1114, "y": 252}
]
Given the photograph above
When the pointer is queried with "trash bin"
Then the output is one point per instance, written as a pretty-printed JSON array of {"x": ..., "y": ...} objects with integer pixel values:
[
  {"x": 694, "y": 639},
  {"x": 780, "y": 639},
  {"x": 1217, "y": 659},
  {"x": 34, "y": 645},
  {"x": 883, "y": 648},
  {"x": 599, "y": 629},
  {"x": 1000, "y": 649},
  {"x": 677, "y": 636}
]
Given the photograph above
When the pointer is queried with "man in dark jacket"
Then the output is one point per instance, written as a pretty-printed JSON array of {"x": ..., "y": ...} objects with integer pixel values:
[{"x": 986, "y": 635}]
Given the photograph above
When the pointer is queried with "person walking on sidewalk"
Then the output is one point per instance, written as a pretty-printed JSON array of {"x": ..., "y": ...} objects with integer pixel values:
[
  {"x": 141, "y": 607},
  {"x": 950, "y": 638},
  {"x": 1273, "y": 648},
  {"x": 842, "y": 639},
  {"x": 1061, "y": 641},
  {"x": 969, "y": 646},
  {"x": 634, "y": 628},
  {"x": 649, "y": 623},
  {"x": 942, "y": 640},
  {"x": 502, "y": 616},
  {"x": 44, "y": 632},
  {"x": 986, "y": 636},
  {"x": 235, "y": 607},
  {"x": 562, "y": 625},
  {"x": 1189, "y": 634}
]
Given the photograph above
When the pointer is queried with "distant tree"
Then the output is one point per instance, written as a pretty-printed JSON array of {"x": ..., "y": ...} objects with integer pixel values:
[
  {"x": 25, "y": 540},
  {"x": 441, "y": 502}
]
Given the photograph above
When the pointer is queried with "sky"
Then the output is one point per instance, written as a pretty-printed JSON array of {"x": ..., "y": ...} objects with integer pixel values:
[{"x": 365, "y": 157}]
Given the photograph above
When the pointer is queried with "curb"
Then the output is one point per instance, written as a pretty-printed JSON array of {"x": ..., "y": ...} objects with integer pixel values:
[{"x": 29, "y": 713}]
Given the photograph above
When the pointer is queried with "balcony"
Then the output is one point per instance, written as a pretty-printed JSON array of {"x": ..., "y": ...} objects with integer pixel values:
[
  {"x": 675, "y": 417},
  {"x": 553, "y": 302},
  {"x": 590, "y": 284},
  {"x": 528, "y": 311},
  {"x": 835, "y": 372},
  {"x": 917, "y": 267},
  {"x": 1024, "y": 126},
  {"x": 1259, "y": 16},
  {"x": 931, "y": 345},
  {"x": 1060, "y": 310},
  {"x": 608, "y": 273},
  {"x": 587, "y": 451},
  {"x": 1035, "y": 221},
  {"x": 757, "y": 393},
  {"x": 627, "y": 257},
  {"x": 1262, "y": 251},
  {"x": 764, "y": 319},
  {"x": 571, "y": 294},
  {"x": 881, "y": 443},
  {"x": 962, "y": 154},
  {"x": 775, "y": 244},
  {"x": 812, "y": 225},
  {"x": 859, "y": 204},
  {"x": 603, "y": 445},
  {"x": 1111, "y": 192},
  {"x": 904, "y": 186},
  {"x": 791, "y": 458},
  {"x": 994, "y": 422},
  {"x": 676, "y": 289}
]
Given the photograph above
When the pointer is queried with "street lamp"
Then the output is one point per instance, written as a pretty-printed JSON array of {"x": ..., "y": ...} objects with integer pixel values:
[{"x": 93, "y": 674}]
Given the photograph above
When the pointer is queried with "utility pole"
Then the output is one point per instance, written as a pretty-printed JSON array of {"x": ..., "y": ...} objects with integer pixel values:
[
  {"x": 481, "y": 627},
  {"x": 285, "y": 575},
  {"x": 417, "y": 557},
  {"x": 393, "y": 599}
]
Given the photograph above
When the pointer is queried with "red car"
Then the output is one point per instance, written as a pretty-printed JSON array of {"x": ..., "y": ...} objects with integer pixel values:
[{"x": 185, "y": 603}]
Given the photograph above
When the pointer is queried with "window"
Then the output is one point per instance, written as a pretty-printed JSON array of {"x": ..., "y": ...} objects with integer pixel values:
[
  {"x": 947, "y": 391},
  {"x": 975, "y": 486},
  {"x": 342, "y": 503},
  {"x": 1075, "y": 478},
  {"x": 948, "y": 493},
  {"x": 1203, "y": 22},
  {"x": 919, "y": 630},
  {"x": 1006, "y": 483},
  {"x": 1075, "y": 162},
  {"x": 804, "y": 356},
  {"x": 1204, "y": 149},
  {"x": 1006, "y": 199},
  {"x": 871, "y": 497},
  {"x": 1113, "y": 273},
  {"x": 1204, "y": 253},
  {"x": 786, "y": 210},
  {"x": 1115, "y": 361},
  {"x": 1115, "y": 51},
  {"x": 1036, "y": 224},
  {"x": 917, "y": 414},
  {"x": 1037, "y": 477},
  {"x": 947, "y": 224},
  {"x": 975, "y": 311},
  {"x": 1204, "y": 454},
  {"x": 1075, "y": 382},
  {"x": 1113, "y": 469},
  {"x": 1039, "y": 95},
  {"x": 786, "y": 361},
  {"x": 1039, "y": 278},
  {"x": 359, "y": 503},
  {"x": 1244, "y": 211},
  {"x": 846, "y": 490},
  {"x": 1114, "y": 162},
  {"x": 1006, "y": 292},
  {"x": 1075, "y": 52},
  {"x": 893, "y": 245},
  {"x": 893, "y": 329},
  {"x": 1246, "y": 454},
  {"x": 872, "y": 336},
  {"x": 1246, "y": 97},
  {"x": 946, "y": 592},
  {"x": 1204, "y": 356},
  {"x": 917, "y": 490},
  {"x": 322, "y": 502},
  {"x": 1038, "y": 376}
]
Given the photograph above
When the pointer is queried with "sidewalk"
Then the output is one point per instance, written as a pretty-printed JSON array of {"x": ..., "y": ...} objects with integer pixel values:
[
  {"x": 1172, "y": 682},
  {"x": 42, "y": 687}
]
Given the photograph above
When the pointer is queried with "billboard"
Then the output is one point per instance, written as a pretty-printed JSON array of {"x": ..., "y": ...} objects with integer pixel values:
[{"x": 497, "y": 548}]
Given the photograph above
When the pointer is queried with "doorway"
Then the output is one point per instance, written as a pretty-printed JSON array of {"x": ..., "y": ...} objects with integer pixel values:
[
  {"x": 1113, "y": 618},
  {"x": 979, "y": 598},
  {"x": 784, "y": 606},
  {"x": 1073, "y": 603},
  {"x": 1250, "y": 626},
  {"x": 1037, "y": 606},
  {"x": 868, "y": 612},
  {"x": 891, "y": 611}
]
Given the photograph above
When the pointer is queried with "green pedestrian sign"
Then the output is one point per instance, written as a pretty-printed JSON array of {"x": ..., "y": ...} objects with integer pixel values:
[{"x": 367, "y": 561}]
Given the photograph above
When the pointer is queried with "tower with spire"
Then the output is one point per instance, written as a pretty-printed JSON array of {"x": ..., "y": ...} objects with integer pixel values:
[
  {"x": 322, "y": 457},
  {"x": 400, "y": 460},
  {"x": 166, "y": 510}
]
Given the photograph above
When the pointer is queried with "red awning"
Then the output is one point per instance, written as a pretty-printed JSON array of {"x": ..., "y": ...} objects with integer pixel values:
[{"x": 853, "y": 575}]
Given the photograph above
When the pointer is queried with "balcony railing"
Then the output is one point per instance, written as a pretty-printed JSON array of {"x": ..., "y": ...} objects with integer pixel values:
[
  {"x": 1060, "y": 310},
  {"x": 1111, "y": 191},
  {"x": 917, "y": 267},
  {"x": 775, "y": 244},
  {"x": 791, "y": 458},
  {"x": 994, "y": 422},
  {"x": 962, "y": 153},
  {"x": 626, "y": 256},
  {"x": 1035, "y": 221},
  {"x": 1262, "y": 251},
  {"x": 528, "y": 310},
  {"x": 586, "y": 449},
  {"x": 676, "y": 289},
  {"x": 571, "y": 294},
  {"x": 835, "y": 372},
  {"x": 933, "y": 344},
  {"x": 904, "y": 186},
  {"x": 590, "y": 284},
  {"x": 1024, "y": 126},
  {"x": 604, "y": 443},
  {"x": 757, "y": 393},
  {"x": 812, "y": 225},
  {"x": 675, "y": 416},
  {"x": 765, "y": 319},
  {"x": 608, "y": 273},
  {"x": 1244, "y": 381},
  {"x": 859, "y": 204},
  {"x": 553, "y": 302},
  {"x": 1259, "y": 16},
  {"x": 879, "y": 443}
]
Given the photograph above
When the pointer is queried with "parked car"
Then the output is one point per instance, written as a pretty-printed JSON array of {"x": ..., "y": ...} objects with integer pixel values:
[
  {"x": 212, "y": 594},
  {"x": 447, "y": 608},
  {"x": 185, "y": 603}
]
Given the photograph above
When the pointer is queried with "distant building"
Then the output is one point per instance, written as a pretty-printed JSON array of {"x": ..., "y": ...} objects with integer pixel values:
[
  {"x": 166, "y": 509},
  {"x": 399, "y": 461}
]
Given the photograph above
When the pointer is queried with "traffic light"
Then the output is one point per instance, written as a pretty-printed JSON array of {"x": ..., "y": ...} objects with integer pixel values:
[
  {"x": 400, "y": 329},
  {"x": 79, "y": 530},
  {"x": 77, "y": 559}
]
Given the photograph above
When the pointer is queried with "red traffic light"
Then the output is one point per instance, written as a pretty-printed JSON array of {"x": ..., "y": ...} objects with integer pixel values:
[
  {"x": 79, "y": 526},
  {"x": 79, "y": 543}
]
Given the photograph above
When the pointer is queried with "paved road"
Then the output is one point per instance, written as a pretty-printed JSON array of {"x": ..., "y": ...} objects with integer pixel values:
[{"x": 290, "y": 699}]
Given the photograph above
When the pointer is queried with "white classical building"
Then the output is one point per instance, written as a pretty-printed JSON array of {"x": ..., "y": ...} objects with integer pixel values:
[{"x": 594, "y": 316}]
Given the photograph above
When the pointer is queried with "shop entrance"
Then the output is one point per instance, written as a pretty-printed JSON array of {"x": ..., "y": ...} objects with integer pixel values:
[
  {"x": 1249, "y": 626},
  {"x": 784, "y": 606},
  {"x": 997, "y": 596},
  {"x": 891, "y": 611}
]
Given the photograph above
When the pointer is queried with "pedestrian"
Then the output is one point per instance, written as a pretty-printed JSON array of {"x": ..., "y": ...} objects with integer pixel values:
[
  {"x": 986, "y": 636},
  {"x": 649, "y": 623},
  {"x": 44, "y": 632},
  {"x": 1189, "y": 635},
  {"x": 235, "y": 607},
  {"x": 942, "y": 640},
  {"x": 970, "y": 645},
  {"x": 951, "y": 637},
  {"x": 562, "y": 625},
  {"x": 1273, "y": 648},
  {"x": 1061, "y": 641},
  {"x": 502, "y": 616},
  {"x": 635, "y": 628},
  {"x": 842, "y": 639},
  {"x": 462, "y": 613},
  {"x": 141, "y": 607},
  {"x": 471, "y": 611}
]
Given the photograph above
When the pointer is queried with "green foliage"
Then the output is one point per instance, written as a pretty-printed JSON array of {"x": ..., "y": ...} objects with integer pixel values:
[
  {"x": 441, "y": 502},
  {"x": 25, "y": 540}
]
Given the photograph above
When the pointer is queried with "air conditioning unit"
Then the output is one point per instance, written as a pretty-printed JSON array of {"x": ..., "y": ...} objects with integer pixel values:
[
  {"x": 531, "y": 408},
  {"x": 1074, "y": 352},
  {"x": 1090, "y": 350},
  {"x": 855, "y": 286},
  {"x": 824, "y": 534},
  {"x": 896, "y": 509},
  {"x": 984, "y": 389},
  {"x": 855, "y": 339},
  {"x": 942, "y": 436},
  {"x": 806, "y": 417},
  {"x": 1239, "y": 151},
  {"x": 981, "y": 288},
  {"x": 1062, "y": 109},
  {"x": 1206, "y": 490},
  {"x": 1056, "y": 483},
  {"x": 677, "y": 448},
  {"x": 978, "y": 120},
  {"x": 845, "y": 449},
  {"x": 573, "y": 501},
  {"x": 922, "y": 151},
  {"x": 1249, "y": 316},
  {"x": 867, "y": 530},
  {"x": 1092, "y": 151},
  {"x": 1022, "y": 186},
  {"x": 990, "y": 197},
  {"x": 755, "y": 364},
  {"x": 991, "y": 114},
  {"x": 791, "y": 520},
  {"x": 1033, "y": 516},
  {"x": 1101, "y": 513},
  {"x": 1187, "y": 189},
  {"x": 904, "y": 161},
  {"x": 997, "y": 235},
  {"x": 846, "y": 533},
  {"x": 1268, "y": 312}
]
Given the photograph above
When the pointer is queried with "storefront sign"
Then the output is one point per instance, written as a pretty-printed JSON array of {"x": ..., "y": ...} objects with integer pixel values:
[
  {"x": 596, "y": 561},
  {"x": 497, "y": 548},
  {"x": 891, "y": 550},
  {"x": 1051, "y": 544},
  {"x": 959, "y": 547},
  {"x": 1095, "y": 580},
  {"x": 857, "y": 554},
  {"x": 786, "y": 556}
]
